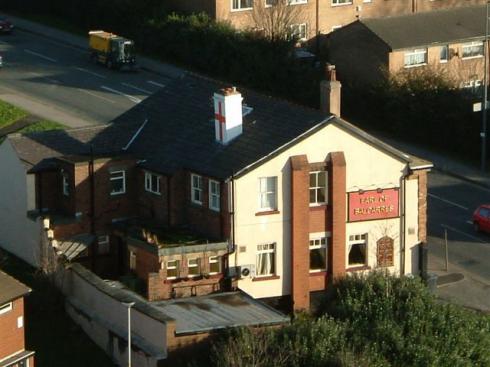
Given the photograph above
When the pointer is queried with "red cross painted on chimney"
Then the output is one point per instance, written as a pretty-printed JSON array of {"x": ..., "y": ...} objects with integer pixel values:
[{"x": 221, "y": 120}]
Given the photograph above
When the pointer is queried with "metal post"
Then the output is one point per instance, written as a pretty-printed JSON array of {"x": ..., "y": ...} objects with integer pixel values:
[
  {"x": 485, "y": 97},
  {"x": 445, "y": 242},
  {"x": 129, "y": 305}
]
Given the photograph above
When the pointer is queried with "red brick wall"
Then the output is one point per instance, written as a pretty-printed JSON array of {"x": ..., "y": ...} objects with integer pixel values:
[
  {"x": 337, "y": 182},
  {"x": 11, "y": 337},
  {"x": 146, "y": 263},
  {"x": 48, "y": 186},
  {"x": 300, "y": 256},
  {"x": 421, "y": 176}
]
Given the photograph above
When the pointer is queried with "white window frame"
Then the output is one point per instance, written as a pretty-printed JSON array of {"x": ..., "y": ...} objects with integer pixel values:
[
  {"x": 472, "y": 45},
  {"x": 6, "y": 307},
  {"x": 354, "y": 239},
  {"x": 132, "y": 260},
  {"x": 239, "y": 8},
  {"x": 214, "y": 260},
  {"x": 118, "y": 175},
  {"x": 316, "y": 243},
  {"x": 263, "y": 194},
  {"x": 106, "y": 246},
  {"x": 263, "y": 249},
  {"x": 214, "y": 195},
  {"x": 441, "y": 60},
  {"x": 415, "y": 52},
  {"x": 173, "y": 267},
  {"x": 316, "y": 188},
  {"x": 196, "y": 189},
  {"x": 66, "y": 184},
  {"x": 149, "y": 183},
  {"x": 196, "y": 265},
  {"x": 296, "y": 2},
  {"x": 341, "y": 2},
  {"x": 302, "y": 27}
]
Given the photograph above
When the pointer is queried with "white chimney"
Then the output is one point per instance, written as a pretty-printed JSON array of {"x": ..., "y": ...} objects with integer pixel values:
[
  {"x": 227, "y": 114},
  {"x": 330, "y": 92}
]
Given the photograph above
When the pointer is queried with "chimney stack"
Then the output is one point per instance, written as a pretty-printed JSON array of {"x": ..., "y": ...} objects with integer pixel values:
[
  {"x": 228, "y": 120},
  {"x": 330, "y": 92}
]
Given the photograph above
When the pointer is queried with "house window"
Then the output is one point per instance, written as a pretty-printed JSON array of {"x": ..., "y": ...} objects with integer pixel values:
[
  {"x": 318, "y": 187},
  {"x": 318, "y": 254},
  {"x": 267, "y": 197},
  {"x": 416, "y": 57},
  {"x": 294, "y": 2},
  {"x": 270, "y": 2},
  {"x": 214, "y": 265},
  {"x": 5, "y": 308},
  {"x": 444, "y": 53},
  {"x": 298, "y": 31},
  {"x": 103, "y": 245},
  {"x": 241, "y": 4},
  {"x": 196, "y": 189},
  {"x": 357, "y": 250},
  {"x": 118, "y": 182},
  {"x": 66, "y": 184},
  {"x": 172, "y": 269},
  {"x": 132, "y": 260},
  {"x": 384, "y": 251},
  {"x": 473, "y": 86},
  {"x": 266, "y": 261},
  {"x": 193, "y": 268},
  {"x": 472, "y": 49},
  {"x": 214, "y": 195},
  {"x": 152, "y": 183},
  {"x": 341, "y": 2}
]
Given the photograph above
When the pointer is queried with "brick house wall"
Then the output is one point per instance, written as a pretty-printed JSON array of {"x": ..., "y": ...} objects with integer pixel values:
[{"x": 12, "y": 337}]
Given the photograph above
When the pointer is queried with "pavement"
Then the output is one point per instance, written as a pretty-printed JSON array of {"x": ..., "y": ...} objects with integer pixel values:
[{"x": 453, "y": 285}]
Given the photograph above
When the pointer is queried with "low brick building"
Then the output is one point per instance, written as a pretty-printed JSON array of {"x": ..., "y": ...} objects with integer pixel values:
[
  {"x": 13, "y": 351},
  {"x": 447, "y": 41}
]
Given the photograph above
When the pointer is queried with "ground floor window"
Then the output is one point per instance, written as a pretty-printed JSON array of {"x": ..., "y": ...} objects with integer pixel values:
[
  {"x": 193, "y": 268},
  {"x": 357, "y": 250},
  {"x": 214, "y": 265},
  {"x": 318, "y": 253},
  {"x": 132, "y": 260},
  {"x": 103, "y": 246},
  {"x": 172, "y": 269},
  {"x": 266, "y": 259}
]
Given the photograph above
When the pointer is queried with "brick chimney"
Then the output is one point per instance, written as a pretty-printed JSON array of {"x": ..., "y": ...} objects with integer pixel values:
[
  {"x": 330, "y": 92},
  {"x": 227, "y": 114}
]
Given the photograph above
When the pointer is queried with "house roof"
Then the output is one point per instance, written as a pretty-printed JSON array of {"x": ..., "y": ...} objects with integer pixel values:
[
  {"x": 174, "y": 129},
  {"x": 11, "y": 289},
  {"x": 435, "y": 27}
]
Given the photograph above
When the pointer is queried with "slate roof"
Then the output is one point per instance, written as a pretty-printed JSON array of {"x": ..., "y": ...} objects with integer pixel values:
[
  {"x": 11, "y": 289},
  {"x": 174, "y": 129},
  {"x": 435, "y": 27}
]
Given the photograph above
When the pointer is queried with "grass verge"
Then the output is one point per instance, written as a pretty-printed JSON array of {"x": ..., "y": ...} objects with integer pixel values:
[{"x": 9, "y": 114}]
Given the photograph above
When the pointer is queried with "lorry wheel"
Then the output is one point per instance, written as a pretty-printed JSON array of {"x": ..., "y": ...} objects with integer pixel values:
[
  {"x": 93, "y": 58},
  {"x": 110, "y": 65}
]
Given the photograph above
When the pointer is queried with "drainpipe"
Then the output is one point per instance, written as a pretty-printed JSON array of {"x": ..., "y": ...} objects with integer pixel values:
[{"x": 403, "y": 225}]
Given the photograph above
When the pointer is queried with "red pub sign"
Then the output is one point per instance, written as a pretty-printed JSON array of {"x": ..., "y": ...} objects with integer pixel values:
[{"x": 374, "y": 204}]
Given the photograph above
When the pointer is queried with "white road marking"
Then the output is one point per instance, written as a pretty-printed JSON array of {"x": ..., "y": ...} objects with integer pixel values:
[
  {"x": 448, "y": 201},
  {"x": 95, "y": 95},
  {"x": 91, "y": 72},
  {"x": 463, "y": 233},
  {"x": 469, "y": 222},
  {"x": 52, "y": 80},
  {"x": 155, "y": 83},
  {"x": 40, "y": 55},
  {"x": 137, "y": 88},
  {"x": 132, "y": 98}
]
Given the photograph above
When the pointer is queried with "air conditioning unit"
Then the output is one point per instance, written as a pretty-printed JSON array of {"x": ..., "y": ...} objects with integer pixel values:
[{"x": 247, "y": 271}]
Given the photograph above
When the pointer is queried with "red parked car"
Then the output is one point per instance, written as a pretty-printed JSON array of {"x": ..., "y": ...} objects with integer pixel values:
[
  {"x": 5, "y": 26},
  {"x": 481, "y": 218}
]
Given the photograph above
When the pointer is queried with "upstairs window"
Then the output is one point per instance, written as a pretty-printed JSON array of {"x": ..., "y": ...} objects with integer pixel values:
[
  {"x": 152, "y": 183},
  {"x": 196, "y": 189},
  {"x": 66, "y": 184},
  {"x": 472, "y": 49},
  {"x": 341, "y": 2},
  {"x": 241, "y": 4},
  {"x": 266, "y": 259},
  {"x": 5, "y": 308},
  {"x": 118, "y": 182},
  {"x": 416, "y": 57},
  {"x": 318, "y": 187},
  {"x": 268, "y": 193},
  {"x": 294, "y": 2},
  {"x": 214, "y": 192},
  {"x": 444, "y": 53}
]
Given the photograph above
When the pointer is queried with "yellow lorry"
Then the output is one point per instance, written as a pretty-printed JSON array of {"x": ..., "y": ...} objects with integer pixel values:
[{"x": 111, "y": 50}]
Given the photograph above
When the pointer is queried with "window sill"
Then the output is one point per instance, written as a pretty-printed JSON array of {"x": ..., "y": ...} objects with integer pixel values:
[
  {"x": 271, "y": 277},
  {"x": 318, "y": 273},
  {"x": 358, "y": 268},
  {"x": 239, "y": 10},
  {"x": 344, "y": 4},
  {"x": 268, "y": 212},
  {"x": 153, "y": 192},
  {"x": 414, "y": 66},
  {"x": 443, "y": 61},
  {"x": 316, "y": 207},
  {"x": 472, "y": 57}
]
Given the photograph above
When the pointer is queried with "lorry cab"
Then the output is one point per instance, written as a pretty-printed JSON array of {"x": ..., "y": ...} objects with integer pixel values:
[{"x": 111, "y": 50}]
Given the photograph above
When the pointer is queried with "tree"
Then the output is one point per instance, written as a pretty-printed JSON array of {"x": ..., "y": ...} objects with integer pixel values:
[{"x": 275, "y": 18}]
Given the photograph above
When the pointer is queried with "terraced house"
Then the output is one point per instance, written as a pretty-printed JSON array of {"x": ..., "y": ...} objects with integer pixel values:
[
  {"x": 316, "y": 16},
  {"x": 205, "y": 188}
]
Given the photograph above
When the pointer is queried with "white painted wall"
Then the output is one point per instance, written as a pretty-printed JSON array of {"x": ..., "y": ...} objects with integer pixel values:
[
  {"x": 19, "y": 234},
  {"x": 412, "y": 228},
  {"x": 367, "y": 168}
]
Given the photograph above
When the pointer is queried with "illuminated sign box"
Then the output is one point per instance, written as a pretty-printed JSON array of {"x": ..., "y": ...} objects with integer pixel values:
[{"x": 374, "y": 204}]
